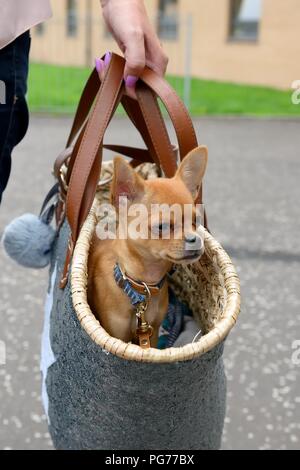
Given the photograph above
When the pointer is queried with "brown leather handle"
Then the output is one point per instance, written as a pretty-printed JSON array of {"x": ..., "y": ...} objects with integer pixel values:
[
  {"x": 131, "y": 107},
  {"x": 86, "y": 169},
  {"x": 146, "y": 116},
  {"x": 139, "y": 112},
  {"x": 85, "y": 103},
  {"x": 178, "y": 113},
  {"x": 157, "y": 129},
  {"x": 184, "y": 129},
  {"x": 80, "y": 193}
]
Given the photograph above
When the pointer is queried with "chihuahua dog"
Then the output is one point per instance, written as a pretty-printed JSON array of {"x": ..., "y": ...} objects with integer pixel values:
[{"x": 121, "y": 269}]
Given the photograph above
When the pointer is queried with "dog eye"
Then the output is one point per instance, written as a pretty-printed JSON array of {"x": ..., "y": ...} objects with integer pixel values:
[{"x": 165, "y": 226}]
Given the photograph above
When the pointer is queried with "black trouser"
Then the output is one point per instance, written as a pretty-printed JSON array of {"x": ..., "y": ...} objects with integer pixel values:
[{"x": 13, "y": 107}]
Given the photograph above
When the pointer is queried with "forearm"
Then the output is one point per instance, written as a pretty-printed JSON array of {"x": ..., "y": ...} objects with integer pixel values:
[{"x": 129, "y": 24}]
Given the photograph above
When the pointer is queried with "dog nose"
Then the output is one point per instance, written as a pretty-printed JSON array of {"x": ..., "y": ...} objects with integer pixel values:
[
  {"x": 194, "y": 243},
  {"x": 190, "y": 238}
]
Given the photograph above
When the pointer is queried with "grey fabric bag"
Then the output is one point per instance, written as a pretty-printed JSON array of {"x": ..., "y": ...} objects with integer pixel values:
[
  {"x": 123, "y": 396},
  {"x": 100, "y": 401}
]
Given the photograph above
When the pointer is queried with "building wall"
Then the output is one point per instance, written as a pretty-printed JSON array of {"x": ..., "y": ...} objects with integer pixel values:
[{"x": 273, "y": 60}]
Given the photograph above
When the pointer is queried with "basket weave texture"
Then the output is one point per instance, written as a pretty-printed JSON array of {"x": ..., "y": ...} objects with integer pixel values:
[{"x": 210, "y": 287}]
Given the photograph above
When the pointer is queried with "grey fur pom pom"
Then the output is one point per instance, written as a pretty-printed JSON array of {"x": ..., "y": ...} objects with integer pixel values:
[{"x": 28, "y": 241}]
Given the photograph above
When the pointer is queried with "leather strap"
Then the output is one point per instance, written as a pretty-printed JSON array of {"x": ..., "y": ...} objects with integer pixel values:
[
  {"x": 185, "y": 132},
  {"x": 160, "y": 151},
  {"x": 138, "y": 155},
  {"x": 96, "y": 127},
  {"x": 157, "y": 129},
  {"x": 52, "y": 192},
  {"x": 141, "y": 155},
  {"x": 144, "y": 339},
  {"x": 131, "y": 107},
  {"x": 85, "y": 103},
  {"x": 133, "y": 110},
  {"x": 141, "y": 119},
  {"x": 83, "y": 180},
  {"x": 85, "y": 159},
  {"x": 180, "y": 118}
]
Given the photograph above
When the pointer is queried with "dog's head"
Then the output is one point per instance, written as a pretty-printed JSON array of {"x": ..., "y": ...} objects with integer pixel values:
[{"x": 158, "y": 217}]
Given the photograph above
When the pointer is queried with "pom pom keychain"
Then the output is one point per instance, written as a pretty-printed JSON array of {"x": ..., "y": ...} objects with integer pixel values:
[{"x": 28, "y": 239}]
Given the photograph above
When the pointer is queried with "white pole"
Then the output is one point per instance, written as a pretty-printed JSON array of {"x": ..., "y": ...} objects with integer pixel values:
[{"x": 188, "y": 61}]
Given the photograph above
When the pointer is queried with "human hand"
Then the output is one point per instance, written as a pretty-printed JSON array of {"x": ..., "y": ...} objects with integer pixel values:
[{"x": 129, "y": 24}]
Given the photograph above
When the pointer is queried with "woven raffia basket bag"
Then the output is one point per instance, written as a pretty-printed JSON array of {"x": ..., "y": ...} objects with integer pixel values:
[{"x": 99, "y": 392}]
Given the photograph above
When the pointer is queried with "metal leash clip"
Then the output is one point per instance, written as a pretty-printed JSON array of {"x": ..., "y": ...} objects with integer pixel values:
[{"x": 144, "y": 330}]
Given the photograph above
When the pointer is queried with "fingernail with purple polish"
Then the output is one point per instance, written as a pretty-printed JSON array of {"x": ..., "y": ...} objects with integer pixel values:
[
  {"x": 130, "y": 81},
  {"x": 99, "y": 65},
  {"x": 107, "y": 59}
]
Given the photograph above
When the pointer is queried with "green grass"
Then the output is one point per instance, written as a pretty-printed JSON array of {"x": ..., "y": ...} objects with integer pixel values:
[{"x": 57, "y": 89}]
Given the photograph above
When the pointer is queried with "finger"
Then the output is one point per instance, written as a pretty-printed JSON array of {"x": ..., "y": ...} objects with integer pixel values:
[
  {"x": 156, "y": 58},
  {"x": 130, "y": 91},
  {"x": 134, "y": 56},
  {"x": 161, "y": 64},
  {"x": 158, "y": 62},
  {"x": 107, "y": 59},
  {"x": 100, "y": 67}
]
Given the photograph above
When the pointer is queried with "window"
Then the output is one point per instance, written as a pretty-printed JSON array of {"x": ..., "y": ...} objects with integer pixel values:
[
  {"x": 72, "y": 20},
  {"x": 244, "y": 19},
  {"x": 40, "y": 29},
  {"x": 168, "y": 19}
]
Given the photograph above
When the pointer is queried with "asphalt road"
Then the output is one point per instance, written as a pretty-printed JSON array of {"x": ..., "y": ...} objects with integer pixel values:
[{"x": 252, "y": 195}]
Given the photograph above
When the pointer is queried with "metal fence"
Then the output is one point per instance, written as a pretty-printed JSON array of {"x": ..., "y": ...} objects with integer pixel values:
[{"x": 63, "y": 52}]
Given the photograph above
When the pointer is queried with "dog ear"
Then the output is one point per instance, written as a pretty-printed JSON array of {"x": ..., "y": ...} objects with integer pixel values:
[
  {"x": 192, "y": 168},
  {"x": 126, "y": 183}
]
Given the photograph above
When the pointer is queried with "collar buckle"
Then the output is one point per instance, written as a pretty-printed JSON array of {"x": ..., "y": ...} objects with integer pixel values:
[{"x": 140, "y": 295}]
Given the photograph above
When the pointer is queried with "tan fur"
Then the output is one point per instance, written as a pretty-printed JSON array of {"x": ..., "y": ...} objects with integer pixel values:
[{"x": 145, "y": 260}]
